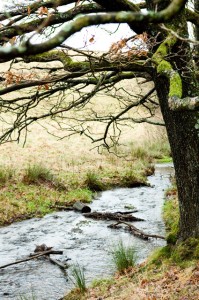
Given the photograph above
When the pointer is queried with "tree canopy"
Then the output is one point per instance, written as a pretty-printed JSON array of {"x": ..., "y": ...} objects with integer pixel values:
[{"x": 44, "y": 77}]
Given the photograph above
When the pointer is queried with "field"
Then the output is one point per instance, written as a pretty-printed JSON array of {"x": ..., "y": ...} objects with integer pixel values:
[{"x": 48, "y": 169}]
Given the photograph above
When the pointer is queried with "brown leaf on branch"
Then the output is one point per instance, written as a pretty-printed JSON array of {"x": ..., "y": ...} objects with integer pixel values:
[{"x": 42, "y": 11}]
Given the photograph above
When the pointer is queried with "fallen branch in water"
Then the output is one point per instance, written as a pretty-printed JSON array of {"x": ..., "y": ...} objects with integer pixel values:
[
  {"x": 111, "y": 216},
  {"x": 57, "y": 262},
  {"x": 126, "y": 212},
  {"x": 135, "y": 231},
  {"x": 32, "y": 256}
]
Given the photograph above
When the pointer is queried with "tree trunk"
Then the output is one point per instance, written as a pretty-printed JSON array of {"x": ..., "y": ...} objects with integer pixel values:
[{"x": 184, "y": 142}]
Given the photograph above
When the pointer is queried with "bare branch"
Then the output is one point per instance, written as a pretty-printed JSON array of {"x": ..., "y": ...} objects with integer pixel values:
[{"x": 27, "y": 48}]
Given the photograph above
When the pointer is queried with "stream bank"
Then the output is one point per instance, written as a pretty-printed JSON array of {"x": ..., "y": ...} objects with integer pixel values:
[{"x": 87, "y": 242}]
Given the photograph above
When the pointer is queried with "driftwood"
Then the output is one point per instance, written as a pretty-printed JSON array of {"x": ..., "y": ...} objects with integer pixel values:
[
  {"x": 111, "y": 216},
  {"x": 135, "y": 231},
  {"x": 32, "y": 256}
]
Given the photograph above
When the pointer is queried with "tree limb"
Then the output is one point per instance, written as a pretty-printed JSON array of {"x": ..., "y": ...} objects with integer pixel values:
[{"x": 27, "y": 48}]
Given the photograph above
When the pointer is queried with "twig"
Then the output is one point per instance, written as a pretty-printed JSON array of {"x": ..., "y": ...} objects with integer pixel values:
[
  {"x": 126, "y": 212},
  {"x": 137, "y": 232}
]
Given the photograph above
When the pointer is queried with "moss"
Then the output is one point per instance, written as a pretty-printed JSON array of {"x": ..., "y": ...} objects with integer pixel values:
[
  {"x": 165, "y": 68},
  {"x": 186, "y": 250},
  {"x": 159, "y": 255},
  {"x": 163, "y": 50},
  {"x": 171, "y": 218},
  {"x": 165, "y": 159},
  {"x": 175, "y": 85}
]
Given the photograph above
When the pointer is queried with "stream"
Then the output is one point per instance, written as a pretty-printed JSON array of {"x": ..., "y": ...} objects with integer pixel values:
[{"x": 85, "y": 241}]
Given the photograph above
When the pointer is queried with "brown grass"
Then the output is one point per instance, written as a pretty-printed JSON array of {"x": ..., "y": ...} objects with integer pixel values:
[{"x": 165, "y": 283}]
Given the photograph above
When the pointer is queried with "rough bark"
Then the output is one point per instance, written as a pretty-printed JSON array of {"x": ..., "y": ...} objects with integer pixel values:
[{"x": 184, "y": 142}]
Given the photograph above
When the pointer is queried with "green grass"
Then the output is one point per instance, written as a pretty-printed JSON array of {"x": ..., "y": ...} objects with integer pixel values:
[
  {"x": 123, "y": 257},
  {"x": 131, "y": 177},
  {"x": 93, "y": 182},
  {"x": 37, "y": 173},
  {"x": 23, "y": 201},
  {"x": 78, "y": 278},
  {"x": 82, "y": 195},
  {"x": 171, "y": 215},
  {"x": 149, "y": 150},
  {"x": 180, "y": 253},
  {"x": 165, "y": 159}
]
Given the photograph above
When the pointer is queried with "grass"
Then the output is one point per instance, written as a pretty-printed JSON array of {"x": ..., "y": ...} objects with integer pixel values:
[
  {"x": 21, "y": 201},
  {"x": 6, "y": 174},
  {"x": 38, "y": 174},
  {"x": 94, "y": 183},
  {"x": 171, "y": 216},
  {"x": 78, "y": 278},
  {"x": 155, "y": 148},
  {"x": 123, "y": 257}
]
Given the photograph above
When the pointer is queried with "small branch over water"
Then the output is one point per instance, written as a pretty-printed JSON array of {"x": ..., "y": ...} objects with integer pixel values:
[{"x": 135, "y": 231}]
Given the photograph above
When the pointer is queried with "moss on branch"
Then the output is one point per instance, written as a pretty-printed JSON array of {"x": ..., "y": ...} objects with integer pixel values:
[
  {"x": 93, "y": 64},
  {"x": 165, "y": 68}
]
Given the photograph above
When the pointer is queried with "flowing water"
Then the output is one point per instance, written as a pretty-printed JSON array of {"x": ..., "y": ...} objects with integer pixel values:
[{"x": 87, "y": 242}]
